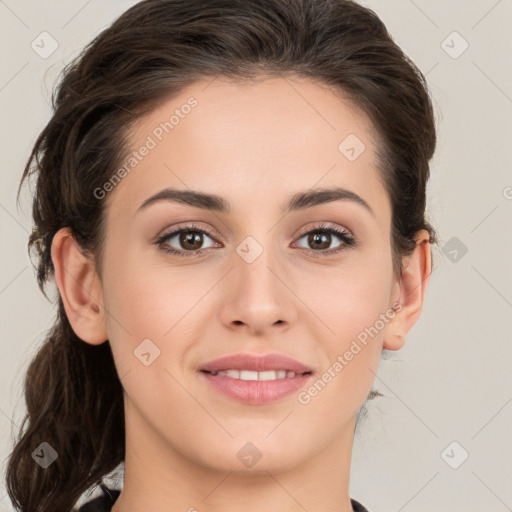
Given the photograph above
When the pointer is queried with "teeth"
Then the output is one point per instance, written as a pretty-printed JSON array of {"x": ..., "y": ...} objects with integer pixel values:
[
  {"x": 268, "y": 375},
  {"x": 244, "y": 375},
  {"x": 252, "y": 375}
]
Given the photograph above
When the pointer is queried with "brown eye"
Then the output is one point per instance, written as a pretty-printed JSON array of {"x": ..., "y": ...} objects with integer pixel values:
[
  {"x": 184, "y": 241},
  {"x": 191, "y": 240},
  {"x": 320, "y": 239}
]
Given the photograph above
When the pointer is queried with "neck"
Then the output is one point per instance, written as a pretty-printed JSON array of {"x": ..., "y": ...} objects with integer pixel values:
[{"x": 159, "y": 478}]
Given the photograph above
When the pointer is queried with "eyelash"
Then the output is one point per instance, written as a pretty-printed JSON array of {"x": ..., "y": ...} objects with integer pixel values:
[{"x": 347, "y": 239}]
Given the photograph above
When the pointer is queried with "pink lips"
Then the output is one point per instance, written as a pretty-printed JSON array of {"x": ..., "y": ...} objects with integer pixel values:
[
  {"x": 257, "y": 364},
  {"x": 256, "y": 391}
]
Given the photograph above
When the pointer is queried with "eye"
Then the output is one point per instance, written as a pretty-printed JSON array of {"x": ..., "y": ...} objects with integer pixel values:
[
  {"x": 190, "y": 238},
  {"x": 321, "y": 236}
]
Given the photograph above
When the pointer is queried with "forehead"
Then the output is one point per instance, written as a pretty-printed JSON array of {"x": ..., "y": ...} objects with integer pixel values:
[{"x": 250, "y": 142}]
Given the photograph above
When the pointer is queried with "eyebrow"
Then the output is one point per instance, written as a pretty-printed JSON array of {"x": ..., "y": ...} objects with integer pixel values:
[{"x": 299, "y": 201}]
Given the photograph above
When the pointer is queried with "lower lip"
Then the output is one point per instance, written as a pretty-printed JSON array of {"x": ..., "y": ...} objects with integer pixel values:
[{"x": 256, "y": 391}]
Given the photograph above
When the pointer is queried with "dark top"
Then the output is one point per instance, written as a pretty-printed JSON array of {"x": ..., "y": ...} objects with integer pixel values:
[{"x": 105, "y": 502}]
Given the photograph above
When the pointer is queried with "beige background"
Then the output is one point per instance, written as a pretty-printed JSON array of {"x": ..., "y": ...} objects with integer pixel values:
[{"x": 452, "y": 381}]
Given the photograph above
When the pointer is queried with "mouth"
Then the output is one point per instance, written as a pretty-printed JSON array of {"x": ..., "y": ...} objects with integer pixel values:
[
  {"x": 247, "y": 364},
  {"x": 256, "y": 379},
  {"x": 256, "y": 388},
  {"x": 251, "y": 375}
]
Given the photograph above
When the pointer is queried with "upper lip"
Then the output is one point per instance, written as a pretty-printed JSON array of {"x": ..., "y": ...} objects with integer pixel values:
[{"x": 256, "y": 363}]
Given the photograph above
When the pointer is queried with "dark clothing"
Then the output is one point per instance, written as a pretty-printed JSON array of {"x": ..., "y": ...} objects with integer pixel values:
[
  {"x": 103, "y": 503},
  {"x": 106, "y": 502},
  {"x": 357, "y": 506}
]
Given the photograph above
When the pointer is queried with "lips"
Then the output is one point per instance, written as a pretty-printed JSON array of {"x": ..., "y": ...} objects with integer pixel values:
[
  {"x": 256, "y": 363},
  {"x": 222, "y": 375}
]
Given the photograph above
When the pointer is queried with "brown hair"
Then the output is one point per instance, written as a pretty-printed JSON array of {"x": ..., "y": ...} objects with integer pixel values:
[{"x": 73, "y": 394}]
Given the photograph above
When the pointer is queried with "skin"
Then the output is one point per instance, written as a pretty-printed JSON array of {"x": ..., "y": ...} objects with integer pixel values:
[{"x": 255, "y": 145}]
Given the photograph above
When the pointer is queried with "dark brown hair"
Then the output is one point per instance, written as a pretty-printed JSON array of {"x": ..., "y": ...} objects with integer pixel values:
[{"x": 73, "y": 394}]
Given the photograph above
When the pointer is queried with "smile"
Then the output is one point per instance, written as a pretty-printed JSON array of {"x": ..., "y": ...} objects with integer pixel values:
[
  {"x": 253, "y": 375},
  {"x": 256, "y": 388}
]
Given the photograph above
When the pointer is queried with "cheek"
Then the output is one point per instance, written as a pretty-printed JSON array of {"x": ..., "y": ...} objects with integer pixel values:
[
  {"x": 141, "y": 302},
  {"x": 149, "y": 300},
  {"x": 144, "y": 292},
  {"x": 351, "y": 297},
  {"x": 148, "y": 319},
  {"x": 353, "y": 305}
]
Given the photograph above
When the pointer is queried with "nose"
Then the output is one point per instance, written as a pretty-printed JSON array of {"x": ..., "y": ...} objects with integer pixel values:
[{"x": 257, "y": 297}]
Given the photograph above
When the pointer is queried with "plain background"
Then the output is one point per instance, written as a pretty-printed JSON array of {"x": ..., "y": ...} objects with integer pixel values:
[{"x": 452, "y": 380}]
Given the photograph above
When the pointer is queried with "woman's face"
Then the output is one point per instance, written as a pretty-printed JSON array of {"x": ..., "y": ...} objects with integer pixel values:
[{"x": 255, "y": 282}]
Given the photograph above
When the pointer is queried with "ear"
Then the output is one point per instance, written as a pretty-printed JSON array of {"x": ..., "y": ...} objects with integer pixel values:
[
  {"x": 79, "y": 288},
  {"x": 410, "y": 292}
]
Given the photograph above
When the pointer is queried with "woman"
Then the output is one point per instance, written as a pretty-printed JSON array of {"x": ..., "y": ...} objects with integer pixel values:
[{"x": 231, "y": 198}]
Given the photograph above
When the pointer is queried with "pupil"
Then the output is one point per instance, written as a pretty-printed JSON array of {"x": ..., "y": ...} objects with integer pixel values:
[
  {"x": 190, "y": 238},
  {"x": 316, "y": 239}
]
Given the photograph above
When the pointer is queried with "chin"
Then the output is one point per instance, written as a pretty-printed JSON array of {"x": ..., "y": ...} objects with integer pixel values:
[{"x": 253, "y": 458}]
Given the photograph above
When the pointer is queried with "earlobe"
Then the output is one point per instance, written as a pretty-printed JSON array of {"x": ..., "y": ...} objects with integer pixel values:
[
  {"x": 79, "y": 288},
  {"x": 412, "y": 287}
]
